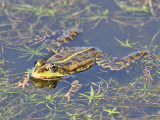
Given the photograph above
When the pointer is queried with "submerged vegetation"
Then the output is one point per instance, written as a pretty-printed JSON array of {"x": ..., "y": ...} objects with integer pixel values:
[
  {"x": 103, "y": 97},
  {"x": 32, "y": 52}
]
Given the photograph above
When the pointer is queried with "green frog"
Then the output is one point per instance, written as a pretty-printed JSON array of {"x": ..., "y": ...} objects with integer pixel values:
[{"x": 78, "y": 59}]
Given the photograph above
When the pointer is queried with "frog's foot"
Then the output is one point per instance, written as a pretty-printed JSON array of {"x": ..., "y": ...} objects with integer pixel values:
[
  {"x": 148, "y": 80},
  {"x": 149, "y": 62},
  {"x": 24, "y": 82},
  {"x": 75, "y": 86}
]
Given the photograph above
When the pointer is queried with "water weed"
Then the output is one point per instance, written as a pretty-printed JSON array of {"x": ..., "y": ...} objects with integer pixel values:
[{"x": 32, "y": 51}]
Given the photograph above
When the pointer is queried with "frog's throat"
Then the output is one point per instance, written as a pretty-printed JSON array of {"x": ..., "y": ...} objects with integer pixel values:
[{"x": 46, "y": 75}]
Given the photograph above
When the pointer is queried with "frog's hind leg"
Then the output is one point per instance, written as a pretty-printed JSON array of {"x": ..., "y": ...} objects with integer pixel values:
[
  {"x": 114, "y": 64},
  {"x": 108, "y": 62},
  {"x": 84, "y": 67}
]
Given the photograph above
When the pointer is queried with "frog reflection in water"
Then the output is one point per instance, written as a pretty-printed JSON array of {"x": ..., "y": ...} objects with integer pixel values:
[{"x": 77, "y": 59}]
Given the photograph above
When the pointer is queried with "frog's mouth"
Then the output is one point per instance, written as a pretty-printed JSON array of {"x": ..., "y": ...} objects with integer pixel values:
[{"x": 46, "y": 75}]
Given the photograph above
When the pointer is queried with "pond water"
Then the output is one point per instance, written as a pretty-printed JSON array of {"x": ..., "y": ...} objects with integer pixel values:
[{"x": 119, "y": 28}]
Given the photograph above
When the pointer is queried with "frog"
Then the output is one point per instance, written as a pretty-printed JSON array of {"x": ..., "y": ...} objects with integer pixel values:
[{"x": 70, "y": 60}]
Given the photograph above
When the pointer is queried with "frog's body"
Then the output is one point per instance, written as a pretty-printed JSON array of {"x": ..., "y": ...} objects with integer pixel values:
[
  {"x": 78, "y": 59},
  {"x": 65, "y": 63}
]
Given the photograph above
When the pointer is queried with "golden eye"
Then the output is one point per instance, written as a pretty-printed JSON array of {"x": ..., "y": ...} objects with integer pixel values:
[
  {"x": 53, "y": 68},
  {"x": 39, "y": 63}
]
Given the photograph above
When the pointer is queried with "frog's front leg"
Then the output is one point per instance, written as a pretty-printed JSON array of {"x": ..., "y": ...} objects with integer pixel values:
[
  {"x": 148, "y": 61},
  {"x": 68, "y": 35}
]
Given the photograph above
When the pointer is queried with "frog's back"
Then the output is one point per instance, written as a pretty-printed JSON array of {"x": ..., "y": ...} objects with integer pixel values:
[
  {"x": 72, "y": 54},
  {"x": 75, "y": 58}
]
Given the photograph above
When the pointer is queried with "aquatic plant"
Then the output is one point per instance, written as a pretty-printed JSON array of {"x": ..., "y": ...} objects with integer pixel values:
[
  {"x": 93, "y": 95},
  {"x": 32, "y": 51}
]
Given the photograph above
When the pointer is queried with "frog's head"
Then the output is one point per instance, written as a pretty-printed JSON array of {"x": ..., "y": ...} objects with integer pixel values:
[{"x": 46, "y": 71}]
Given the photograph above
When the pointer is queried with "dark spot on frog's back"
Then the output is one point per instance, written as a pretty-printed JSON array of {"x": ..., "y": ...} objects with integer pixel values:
[
  {"x": 68, "y": 63},
  {"x": 58, "y": 56},
  {"x": 143, "y": 53},
  {"x": 91, "y": 49},
  {"x": 76, "y": 59},
  {"x": 131, "y": 58}
]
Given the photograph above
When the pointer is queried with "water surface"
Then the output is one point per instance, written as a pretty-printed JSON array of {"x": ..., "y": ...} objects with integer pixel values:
[{"x": 117, "y": 27}]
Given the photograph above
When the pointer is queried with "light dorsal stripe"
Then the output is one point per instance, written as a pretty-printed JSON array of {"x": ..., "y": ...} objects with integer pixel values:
[{"x": 72, "y": 56}]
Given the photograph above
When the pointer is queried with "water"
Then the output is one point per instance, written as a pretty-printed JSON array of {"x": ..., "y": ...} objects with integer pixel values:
[{"x": 116, "y": 27}]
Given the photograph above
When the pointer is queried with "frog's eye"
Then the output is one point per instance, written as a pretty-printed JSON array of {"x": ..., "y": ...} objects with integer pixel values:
[
  {"x": 39, "y": 63},
  {"x": 53, "y": 68}
]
